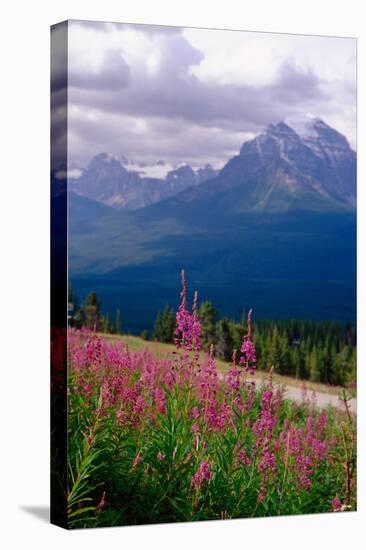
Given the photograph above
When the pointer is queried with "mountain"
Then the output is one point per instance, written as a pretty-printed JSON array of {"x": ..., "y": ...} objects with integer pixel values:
[
  {"x": 275, "y": 230},
  {"x": 120, "y": 184},
  {"x": 294, "y": 164},
  {"x": 311, "y": 167}
]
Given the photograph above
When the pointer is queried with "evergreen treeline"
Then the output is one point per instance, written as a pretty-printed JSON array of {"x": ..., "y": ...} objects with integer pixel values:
[
  {"x": 317, "y": 351},
  {"x": 88, "y": 314},
  {"x": 320, "y": 352}
]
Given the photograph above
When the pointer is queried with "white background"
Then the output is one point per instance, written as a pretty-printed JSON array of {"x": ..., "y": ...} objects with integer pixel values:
[{"x": 24, "y": 314}]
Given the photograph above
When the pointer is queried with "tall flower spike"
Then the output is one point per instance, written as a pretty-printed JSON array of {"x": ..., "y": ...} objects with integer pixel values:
[
  {"x": 195, "y": 302},
  {"x": 248, "y": 359},
  {"x": 188, "y": 327},
  {"x": 183, "y": 293},
  {"x": 250, "y": 324},
  {"x": 233, "y": 374}
]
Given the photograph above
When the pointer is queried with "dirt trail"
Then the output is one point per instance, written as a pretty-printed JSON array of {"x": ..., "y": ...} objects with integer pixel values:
[{"x": 321, "y": 399}]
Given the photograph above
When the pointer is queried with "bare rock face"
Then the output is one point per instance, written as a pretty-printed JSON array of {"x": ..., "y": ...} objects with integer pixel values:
[
  {"x": 302, "y": 164},
  {"x": 116, "y": 183}
]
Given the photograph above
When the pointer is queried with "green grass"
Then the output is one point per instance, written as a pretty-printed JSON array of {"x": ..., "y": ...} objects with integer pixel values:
[{"x": 145, "y": 445}]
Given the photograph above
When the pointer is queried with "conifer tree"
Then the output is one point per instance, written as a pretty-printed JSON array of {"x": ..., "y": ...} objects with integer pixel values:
[
  {"x": 92, "y": 311},
  {"x": 224, "y": 342},
  {"x": 314, "y": 366},
  {"x": 208, "y": 317},
  {"x": 165, "y": 325},
  {"x": 117, "y": 324}
]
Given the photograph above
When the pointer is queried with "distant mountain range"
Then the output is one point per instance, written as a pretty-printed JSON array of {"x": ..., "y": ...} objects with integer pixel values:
[
  {"x": 301, "y": 164},
  {"x": 123, "y": 185},
  {"x": 274, "y": 229}
]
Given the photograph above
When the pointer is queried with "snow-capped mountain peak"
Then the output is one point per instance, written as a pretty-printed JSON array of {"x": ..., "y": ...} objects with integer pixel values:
[{"x": 121, "y": 183}]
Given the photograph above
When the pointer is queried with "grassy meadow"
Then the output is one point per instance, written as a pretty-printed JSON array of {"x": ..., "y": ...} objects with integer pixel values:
[{"x": 164, "y": 433}]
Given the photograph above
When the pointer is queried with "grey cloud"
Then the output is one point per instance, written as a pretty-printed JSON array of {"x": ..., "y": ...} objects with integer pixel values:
[
  {"x": 175, "y": 141},
  {"x": 114, "y": 74},
  {"x": 295, "y": 84},
  {"x": 181, "y": 111},
  {"x": 105, "y": 26},
  {"x": 100, "y": 26},
  {"x": 152, "y": 30},
  {"x": 167, "y": 94}
]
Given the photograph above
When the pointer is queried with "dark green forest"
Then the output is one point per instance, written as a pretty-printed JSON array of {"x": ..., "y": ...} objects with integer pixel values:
[{"x": 316, "y": 351}]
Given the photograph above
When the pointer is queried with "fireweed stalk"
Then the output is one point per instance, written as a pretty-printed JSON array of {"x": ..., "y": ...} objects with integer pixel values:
[{"x": 170, "y": 438}]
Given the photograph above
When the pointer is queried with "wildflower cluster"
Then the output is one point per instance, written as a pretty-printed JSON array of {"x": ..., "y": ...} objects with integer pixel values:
[
  {"x": 188, "y": 327},
  {"x": 203, "y": 474},
  {"x": 169, "y": 437}
]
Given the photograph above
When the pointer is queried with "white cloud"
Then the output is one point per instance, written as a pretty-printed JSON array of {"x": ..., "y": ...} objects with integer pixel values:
[
  {"x": 254, "y": 58},
  {"x": 195, "y": 95}
]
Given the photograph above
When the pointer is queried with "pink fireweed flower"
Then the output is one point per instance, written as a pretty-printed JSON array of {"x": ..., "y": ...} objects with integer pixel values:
[
  {"x": 268, "y": 462},
  {"x": 203, "y": 474},
  {"x": 139, "y": 406},
  {"x": 148, "y": 373},
  {"x": 188, "y": 326},
  {"x": 94, "y": 351},
  {"x": 266, "y": 422},
  {"x": 122, "y": 416},
  {"x": 232, "y": 379},
  {"x": 336, "y": 505},
  {"x": 307, "y": 446},
  {"x": 137, "y": 460},
  {"x": 243, "y": 457},
  {"x": 262, "y": 494},
  {"x": 304, "y": 471},
  {"x": 248, "y": 359},
  {"x": 168, "y": 378},
  {"x": 263, "y": 429},
  {"x": 322, "y": 422},
  {"x": 206, "y": 380},
  {"x": 195, "y": 412},
  {"x": 159, "y": 400},
  {"x": 218, "y": 415},
  {"x": 248, "y": 350},
  {"x": 160, "y": 456}
]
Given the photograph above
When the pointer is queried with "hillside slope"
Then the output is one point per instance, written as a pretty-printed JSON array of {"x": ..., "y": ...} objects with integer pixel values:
[{"x": 275, "y": 230}]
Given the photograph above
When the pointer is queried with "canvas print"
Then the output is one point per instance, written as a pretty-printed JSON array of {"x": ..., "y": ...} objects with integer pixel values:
[{"x": 203, "y": 274}]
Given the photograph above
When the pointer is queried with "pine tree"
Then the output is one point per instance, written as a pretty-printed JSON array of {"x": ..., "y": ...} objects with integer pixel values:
[
  {"x": 224, "y": 342},
  {"x": 105, "y": 324},
  {"x": 314, "y": 366},
  {"x": 165, "y": 325},
  {"x": 284, "y": 366},
  {"x": 208, "y": 317},
  {"x": 92, "y": 311},
  {"x": 79, "y": 318},
  {"x": 117, "y": 324},
  {"x": 274, "y": 353}
]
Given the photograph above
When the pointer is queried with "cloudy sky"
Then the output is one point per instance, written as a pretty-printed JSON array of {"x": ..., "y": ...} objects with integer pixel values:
[{"x": 195, "y": 95}]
